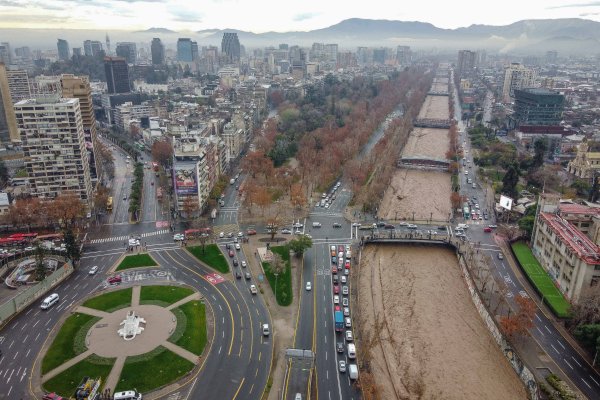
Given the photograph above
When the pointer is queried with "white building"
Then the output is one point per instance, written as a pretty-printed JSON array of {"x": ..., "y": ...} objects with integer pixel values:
[
  {"x": 128, "y": 112},
  {"x": 517, "y": 76},
  {"x": 53, "y": 142}
]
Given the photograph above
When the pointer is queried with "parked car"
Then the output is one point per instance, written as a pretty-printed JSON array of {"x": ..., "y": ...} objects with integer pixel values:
[
  {"x": 286, "y": 231},
  {"x": 237, "y": 246},
  {"x": 250, "y": 232},
  {"x": 345, "y": 302},
  {"x": 235, "y": 262},
  {"x": 349, "y": 336},
  {"x": 115, "y": 280},
  {"x": 244, "y": 264},
  {"x": 389, "y": 226},
  {"x": 339, "y": 346},
  {"x": 500, "y": 256},
  {"x": 342, "y": 366},
  {"x": 345, "y": 290},
  {"x": 337, "y": 225},
  {"x": 336, "y": 289},
  {"x": 336, "y": 299},
  {"x": 247, "y": 275},
  {"x": 346, "y": 311},
  {"x": 343, "y": 279}
]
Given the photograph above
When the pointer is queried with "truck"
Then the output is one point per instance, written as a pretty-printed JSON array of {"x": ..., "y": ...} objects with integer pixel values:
[
  {"x": 339, "y": 321},
  {"x": 353, "y": 371}
]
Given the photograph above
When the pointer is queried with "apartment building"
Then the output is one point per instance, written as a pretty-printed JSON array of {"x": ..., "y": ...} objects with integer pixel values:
[
  {"x": 53, "y": 143},
  {"x": 18, "y": 83},
  {"x": 517, "y": 76},
  {"x": 8, "y": 125}
]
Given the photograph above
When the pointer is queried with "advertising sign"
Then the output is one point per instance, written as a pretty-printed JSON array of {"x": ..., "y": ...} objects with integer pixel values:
[
  {"x": 506, "y": 202},
  {"x": 185, "y": 180}
]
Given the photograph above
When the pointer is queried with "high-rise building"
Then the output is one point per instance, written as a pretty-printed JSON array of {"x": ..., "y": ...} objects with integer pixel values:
[
  {"x": 466, "y": 62},
  {"x": 230, "y": 46},
  {"x": 331, "y": 52},
  {"x": 127, "y": 50},
  {"x": 5, "y": 53},
  {"x": 516, "y": 76},
  {"x": 77, "y": 52},
  {"x": 551, "y": 57},
  {"x": 403, "y": 55},
  {"x": 23, "y": 52},
  {"x": 108, "y": 53},
  {"x": 52, "y": 139},
  {"x": 185, "y": 49},
  {"x": 87, "y": 47},
  {"x": 78, "y": 87},
  {"x": 18, "y": 84},
  {"x": 63, "y": 49},
  {"x": 117, "y": 75},
  {"x": 538, "y": 106},
  {"x": 9, "y": 131},
  {"x": 379, "y": 55},
  {"x": 92, "y": 47},
  {"x": 158, "y": 52}
]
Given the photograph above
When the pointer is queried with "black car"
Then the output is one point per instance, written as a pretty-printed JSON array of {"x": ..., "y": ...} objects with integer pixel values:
[
  {"x": 238, "y": 275},
  {"x": 335, "y": 279},
  {"x": 235, "y": 262},
  {"x": 389, "y": 226},
  {"x": 247, "y": 275},
  {"x": 339, "y": 347},
  {"x": 337, "y": 225},
  {"x": 441, "y": 228},
  {"x": 381, "y": 224}
]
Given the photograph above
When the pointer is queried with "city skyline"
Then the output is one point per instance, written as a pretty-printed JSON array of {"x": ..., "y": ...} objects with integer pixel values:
[{"x": 184, "y": 15}]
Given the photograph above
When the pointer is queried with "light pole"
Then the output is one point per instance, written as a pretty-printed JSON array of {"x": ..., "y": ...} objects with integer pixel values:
[{"x": 276, "y": 275}]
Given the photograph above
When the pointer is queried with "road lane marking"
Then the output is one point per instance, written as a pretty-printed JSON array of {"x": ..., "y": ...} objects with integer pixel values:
[
  {"x": 547, "y": 329},
  {"x": 576, "y": 362},
  {"x": 538, "y": 318},
  {"x": 27, "y": 354},
  {"x": 24, "y": 340},
  {"x": 37, "y": 337},
  {"x": 11, "y": 344},
  {"x": 587, "y": 384},
  {"x": 551, "y": 345},
  {"x": 36, "y": 322},
  {"x": 561, "y": 345},
  {"x": 570, "y": 366},
  {"x": 238, "y": 390},
  {"x": 219, "y": 350},
  {"x": 596, "y": 382}
]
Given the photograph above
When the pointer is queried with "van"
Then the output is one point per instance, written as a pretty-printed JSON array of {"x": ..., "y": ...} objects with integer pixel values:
[
  {"x": 351, "y": 351},
  {"x": 128, "y": 395},
  {"x": 50, "y": 301},
  {"x": 474, "y": 186},
  {"x": 353, "y": 371}
]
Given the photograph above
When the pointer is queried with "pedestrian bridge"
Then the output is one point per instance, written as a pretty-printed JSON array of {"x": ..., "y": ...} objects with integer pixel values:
[
  {"x": 432, "y": 123},
  {"x": 424, "y": 163},
  {"x": 422, "y": 238}
]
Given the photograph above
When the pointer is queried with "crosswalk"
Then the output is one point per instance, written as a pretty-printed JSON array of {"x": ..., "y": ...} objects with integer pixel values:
[
  {"x": 226, "y": 229},
  {"x": 325, "y": 214},
  {"x": 126, "y": 237}
]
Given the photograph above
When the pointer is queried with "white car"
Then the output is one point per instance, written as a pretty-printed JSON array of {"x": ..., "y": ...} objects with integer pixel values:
[
  {"x": 286, "y": 231},
  {"x": 336, "y": 299},
  {"x": 178, "y": 237},
  {"x": 355, "y": 224},
  {"x": 308, "y": 286},
  {"x": 349, "y": 336},
  {"x": 342, "y": 365},
  {"x": 346, "y": 311},
  {"x": 402, "y": 223},
  {"x": 253, "y": 289},
  {"x": 237, "y": 246},
  {"x": 221, "y": 234},
  {"x": 411, "y": 226},
  {"x": 244, "y": 265},
  {"x": 93, "y": 270},
  {"x": 240, "y": 234},
  {"x": 345, "y": 289}
]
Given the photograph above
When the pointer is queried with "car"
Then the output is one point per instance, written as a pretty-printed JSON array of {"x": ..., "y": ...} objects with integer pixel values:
[
  {"x": 115, "y": 280},
  {"x": 235, "y": 262},
  {"x": 124, "y": 197},
  {"x": 356, "y": 224},
  {"x": 342, "y": 366},
  {"x": 346, "y": 271},
  {"x": 307, "y": 235},
  {"x": 247, "y": 275},
  {"x": 492, "y": 226},
  {"x": 324, "y": 195},
  {"x": 238, "y": 275},
  {"x": 230, "y": 235},
  {"x": 152, "y": 183},
  {"x": 337, "y": 225},
  {"x": 227, "y": 246},
  {"x": 389, "y": 226},
  {"x": 221, "y": 234},
  {"x": 253, "y": 289},
  {"x": 336, "y": 289},
  {"x": 244, "y": 265},
  {"x": 265, "y": 330},
  {"x": 298, "y": 225},
  {"x": 339, "y": 346},
  {"x": 326, "y": 205},
  {"x": 240, "y": 234},
  {"x": 335, "y": 278},
  {"x": 343, "y": 279},
  {"x": 235, "y": 240},
  {"x": 381, "y": 224},
  {"x": 337, "y": 308},
  {"x": 231, "y": 253},
  {"x": 487, "y": 229},
  {"x": 286, "y": 231},
  {"x": 334, "y": 270},
  {"x": 345, "y": 290},
  {"x": 500, "y": 256},
  {"x": 250, "y": 232},
  {"x": 308, "y": 286},
  {"x": 318, "y": 204},
  {"x": 93, "y": 270},
  {"x": 237, "y": 246},
  {"x": 29, "y": 248},
  {"x": 345, "y": 302},
  {"x": 346, "y": 311},
  {"x": 336, "y": 299},
  {"x": 333, "y": 259},
  {"x": 347, "y": 265},
  {"x": 466, "y": 172},
  {"x": 441, "y": 228},
  {"x": 403, "y": 223},
  {"x": 477, "y": 206},
  {"x": 411, "y": 226},
  {"x": 349, "y": 336}
]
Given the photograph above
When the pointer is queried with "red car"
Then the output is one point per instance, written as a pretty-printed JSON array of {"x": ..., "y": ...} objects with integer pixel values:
[
  {"x": 347, "y": 265},
  {"x": 334, "y": 270},
  {"x": 487, "y": 229},
  {"x": 341, "y": 248},
  {"x": 231, "y": 254},
  {"x": 337, "y": 308},
  {"x": 113, "y": 280},
  {"x": 251, "y": 232},
  {"x": 336, "y": 289}
]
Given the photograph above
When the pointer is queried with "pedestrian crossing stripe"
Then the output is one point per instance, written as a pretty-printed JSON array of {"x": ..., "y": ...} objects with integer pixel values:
[
  {"x": 127, "y": 237},
  {"x": 226, "y": 228}
]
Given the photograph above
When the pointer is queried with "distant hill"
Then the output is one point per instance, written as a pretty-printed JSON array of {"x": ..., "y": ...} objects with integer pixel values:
[{"x": 570, "y": 36}]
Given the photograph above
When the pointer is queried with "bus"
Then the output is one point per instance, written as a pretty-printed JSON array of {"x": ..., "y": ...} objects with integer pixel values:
[{"x": 109, "y": 204}]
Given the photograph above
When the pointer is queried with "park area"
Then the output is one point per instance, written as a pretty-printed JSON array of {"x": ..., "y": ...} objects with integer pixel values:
[
  {"x": 423, "y": 195},
  {"x": 413, "y": 303},
  {"x": 541, "y": 280},
  {"x": 282, "y": 283},
  {"x": 211, "y": 256},
  {"x": 136, "y": 261}
]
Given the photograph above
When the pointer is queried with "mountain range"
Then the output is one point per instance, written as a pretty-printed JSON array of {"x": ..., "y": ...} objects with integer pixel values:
[{"x": 572, "y": 36}]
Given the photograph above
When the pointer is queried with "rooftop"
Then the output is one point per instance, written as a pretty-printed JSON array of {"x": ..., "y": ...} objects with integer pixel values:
[
  {"x": 576, "y": 241},
  {"x": 566, "y": 208}
]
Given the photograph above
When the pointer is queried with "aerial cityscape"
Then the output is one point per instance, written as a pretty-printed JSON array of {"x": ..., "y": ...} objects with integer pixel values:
[{"x": 338, "y": 203}]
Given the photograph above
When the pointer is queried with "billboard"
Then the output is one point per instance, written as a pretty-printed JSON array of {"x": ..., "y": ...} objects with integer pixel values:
[
  {"x": 185, "y": 179},
  {"x": 506, "y": 202}
]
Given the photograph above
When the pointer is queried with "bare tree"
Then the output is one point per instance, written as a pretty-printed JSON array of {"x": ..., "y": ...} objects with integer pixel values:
[{"x": 587, "y": 309}]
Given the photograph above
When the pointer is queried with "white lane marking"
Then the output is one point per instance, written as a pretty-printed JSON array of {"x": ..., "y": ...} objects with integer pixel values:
[
  {"x": 570, "y": 366},
  {"x": 587, "y": 384},
  {"x": 561, "y": 345},
  {"x": 38, "y": 335},
  {"x": 595, "y": 381},
  {"x": 547, "y": 329},
  {"x": 542, "y": 333},
  {"x": 36, "y": 322},
  {"x": 325, "y": 337},
  {"x": 27, "y": 354},
  {"x": 538, "y": 318},
  {"x": 219, "y": 349},
  {"x": 24, "y": 340},
  {"x": 551, "y": 345},
  {"x": 576, "y": 362}
]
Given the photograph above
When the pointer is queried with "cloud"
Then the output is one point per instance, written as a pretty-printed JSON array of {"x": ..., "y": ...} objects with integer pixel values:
[
  {"x": 28, "y": 18},
  {"x": 184, "y": 15},
  {"x": 589, "y": 14},
  {"x": 577, "y": 5},
  {"x": 304, "y": 16},
  {"x": 9, "y": 3}
]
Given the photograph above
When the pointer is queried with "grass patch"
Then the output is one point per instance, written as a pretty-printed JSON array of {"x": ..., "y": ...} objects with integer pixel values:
[
  {"x": 63, "y": 347},
  {"x": 283, "y": 294},
  {"x": 163, "y": 294},
  {"x": 67, "y": 381},
  {"x": 193, "y": 337},
  {"x": 212, "y": 256},
  {"x": 152, "y": 370},
  {"x": 137, "y": 261},
  {"x": 110, "y": 301},
  {"x": 540, "y": 279}
]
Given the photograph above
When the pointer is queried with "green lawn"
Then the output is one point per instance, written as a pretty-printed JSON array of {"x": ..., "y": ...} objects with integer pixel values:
[
  {"x": 192, "y": 335},
  {"x": 541, "y": 280},
  {"x": 137, "y": 261},
  {"x": 152, "y": 370},
  {"x": 284, "y": 293},
  {"x": 211, "y": 256},
  {"x": 67, "y": 381},
  {"x": 63, "y": 347},
  {"x": 165, "y": 295},
  {"x": 110, "y": 301}
]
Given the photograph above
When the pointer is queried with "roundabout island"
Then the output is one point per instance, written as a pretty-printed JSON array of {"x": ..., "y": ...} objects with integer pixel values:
[{"x": 142, "y": 338}]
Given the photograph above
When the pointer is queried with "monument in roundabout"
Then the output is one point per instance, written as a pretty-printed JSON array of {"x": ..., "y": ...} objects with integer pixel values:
[{"x": 131, "y": 326}]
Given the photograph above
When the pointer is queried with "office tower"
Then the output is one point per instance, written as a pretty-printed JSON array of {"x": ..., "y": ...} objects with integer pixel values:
[
  {"x": 9, "y": 131},
  {"x": 379, "y": 55},
  {"x": 127, "y": 50},
  {"x": 230, "y": 46},
  {"x": 87, "y": 47},
  {"x": 46, "y": 85},
  {"x": 5, "y": 53},
  {"x": 23, "y": 52},
  {"x": 63, "y": 49},
  {"x": 284, "y": 46},
  {"x": 331, "y": 52},
  {"x": 18, "y": 84},
  {"x": 53, "y": 144},
  {"x": 551, "y": 57},
  {"x": 516, "y": 76},
  {"x": 185, "y": 49},
  {"x": 77, "y": 52},
  {"x": 107, "y": 45},
  {"x": 117, "y": 75},
  {"x": 78, "y": 87},
  {"x": 403, "y": 55},
  {"x": 538, "y": 106},
  {"x": 158, "y": 52},
  {"x": 466, "y": 62},
  {"x": 92, "y": 47}
]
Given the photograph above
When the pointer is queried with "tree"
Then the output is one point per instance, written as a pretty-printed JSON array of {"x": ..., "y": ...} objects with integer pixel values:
[
  {"x": 190, "y": 207},
  {"x": 101, "y": 198},
  {"x": 300, "y": 245},
  {"x": 526, "y": 225},
  {"x": 588, "y": 336},
  {"x": 40, "y": 268},
  {"x": 539, "y": 146},
  {"x": 277, "y": 264},
  {"x": 162, "y": 153},
  {"x": 3, "y": 174},
  {"x": 297, "y": 196},
  {"x": 262, "y": 197},
  {"x": 587, "y": 309},
  {"x": 520, "y": 322},
  {"x": 510, "y": 181},
  {"x": 73, "y": 251},
  {"x": 66, "y": 210}
]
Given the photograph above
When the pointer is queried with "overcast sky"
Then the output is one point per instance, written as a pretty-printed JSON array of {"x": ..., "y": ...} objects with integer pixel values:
[{"x": 277, "y": 15}]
